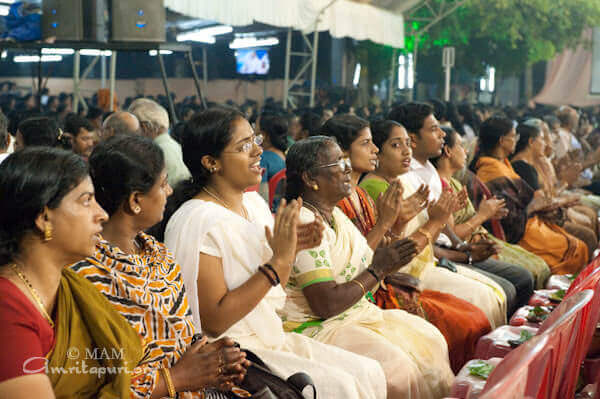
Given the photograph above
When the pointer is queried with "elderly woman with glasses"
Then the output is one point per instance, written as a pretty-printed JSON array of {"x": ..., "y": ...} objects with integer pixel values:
[{"x": 330, "y": 283}]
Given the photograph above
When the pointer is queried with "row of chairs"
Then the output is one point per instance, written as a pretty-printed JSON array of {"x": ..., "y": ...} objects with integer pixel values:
[{"x": 548, "y": 365}]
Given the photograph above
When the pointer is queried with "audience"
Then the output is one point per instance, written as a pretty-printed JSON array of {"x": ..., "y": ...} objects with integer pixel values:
[
  {"x": 376, "y": 275},
  {"x": 236, "y": 267},
  {"x": 154, "y": 302},
  {"x": 51, "y": 317}
]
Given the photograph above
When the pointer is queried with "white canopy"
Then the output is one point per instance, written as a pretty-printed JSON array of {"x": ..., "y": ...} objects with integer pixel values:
[{"x": 380, "y": 21}]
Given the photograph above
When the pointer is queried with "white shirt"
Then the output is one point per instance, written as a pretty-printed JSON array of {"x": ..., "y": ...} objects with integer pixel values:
[{"x": 428, "y": 175}]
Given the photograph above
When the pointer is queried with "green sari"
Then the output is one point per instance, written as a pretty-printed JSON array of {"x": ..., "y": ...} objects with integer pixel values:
[
  {"x": 509, "y": 253},
  {"x": 96, "y": 350}
]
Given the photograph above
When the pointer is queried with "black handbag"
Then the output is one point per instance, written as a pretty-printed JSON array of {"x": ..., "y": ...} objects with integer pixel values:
[{"x": 262, "y": 383}]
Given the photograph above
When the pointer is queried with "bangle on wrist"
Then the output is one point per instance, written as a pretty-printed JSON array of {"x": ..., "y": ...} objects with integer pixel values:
[
  {"x": 373, "y": 274},
  {"x": 426, "y": 234},
  {"x": 264, "y": 271},
  {"x": 272, "y": 269},
  {"x": 362, "y": 287},
  {"x": 169, "y": 382}
]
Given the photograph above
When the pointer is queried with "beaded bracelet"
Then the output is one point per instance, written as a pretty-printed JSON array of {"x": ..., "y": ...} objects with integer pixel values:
[
  {"x": 264, "y": 271},
  {"x": 268, "y": 266}
]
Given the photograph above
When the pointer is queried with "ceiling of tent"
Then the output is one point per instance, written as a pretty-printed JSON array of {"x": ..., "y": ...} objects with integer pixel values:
[{"x": 378, "y": 20}]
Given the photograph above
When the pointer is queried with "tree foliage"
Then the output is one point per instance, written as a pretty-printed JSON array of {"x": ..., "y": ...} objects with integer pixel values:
[{"x": 511, "y": 34}]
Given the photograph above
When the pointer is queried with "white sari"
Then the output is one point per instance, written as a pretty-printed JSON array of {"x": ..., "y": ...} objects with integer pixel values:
[
  {"x": 205, "y": 227},
  {"x": 466, "y": 284},
  {"x": 413, "y": 352}
]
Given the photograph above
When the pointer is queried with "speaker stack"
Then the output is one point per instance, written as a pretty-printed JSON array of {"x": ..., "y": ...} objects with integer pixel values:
[
  {"x": 138, "y": 21},
  {"x": 62, "y": 19},
  {"x": 130, "y": 20}
]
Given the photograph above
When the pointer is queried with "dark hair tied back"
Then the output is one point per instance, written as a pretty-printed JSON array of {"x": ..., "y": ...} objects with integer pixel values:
[
  {"x": 124, "y": 164},
  {"x": 207, "y": 133},
  {"x": 344, "y": 128},
  {"x": 30, "y": 180},
  {"x": 276, "y": 127}
]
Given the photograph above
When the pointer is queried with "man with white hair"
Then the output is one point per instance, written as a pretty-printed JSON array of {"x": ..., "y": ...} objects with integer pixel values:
[{"x": 154, "y": 123}]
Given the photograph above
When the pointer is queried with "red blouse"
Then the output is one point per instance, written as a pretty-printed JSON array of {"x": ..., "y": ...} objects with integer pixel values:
[{"x": 25, "y": 336}]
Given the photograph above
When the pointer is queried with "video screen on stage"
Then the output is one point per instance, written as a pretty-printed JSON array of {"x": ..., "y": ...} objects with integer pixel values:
[{"x": 252, "y": 62}]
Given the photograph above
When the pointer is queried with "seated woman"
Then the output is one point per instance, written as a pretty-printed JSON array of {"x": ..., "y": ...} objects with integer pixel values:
[
  {"x": 141, "y": 279},
  {"x": 466, "y": 284},
  {"x": 531, "y": 147},
  {"x": 51, "y": 318},
  {"x": 468, "y": 223},
  {"x": 523, "y": 224},
  {"x": 329, "y": 283},
  {"x": 235, "y": 258},
  {"x": 460, "y": 322}
]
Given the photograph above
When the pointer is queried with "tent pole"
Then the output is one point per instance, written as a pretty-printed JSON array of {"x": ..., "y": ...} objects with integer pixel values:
[
  {"x": 76, "y": 66},
  {"x": 163, "y": 74},
  {"x": 313, "y": 77},
  {"x": 286, "y": 75},
  {"x": 195, "y": 77},
  {"x": 113, "y": 75}
]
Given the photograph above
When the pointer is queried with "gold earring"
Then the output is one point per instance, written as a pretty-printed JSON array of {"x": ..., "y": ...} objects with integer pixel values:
[
  {"x": 213, "y": 170},
  {"x": 47, "y": 231},
  {"x": 137, "y": 209},
  {"x": 315, "y": 187}
]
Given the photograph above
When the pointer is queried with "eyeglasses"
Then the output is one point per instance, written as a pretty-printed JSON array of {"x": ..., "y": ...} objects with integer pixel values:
[
  {"x": 247, "y": 146},
  {"x": 344, "y": 165}
]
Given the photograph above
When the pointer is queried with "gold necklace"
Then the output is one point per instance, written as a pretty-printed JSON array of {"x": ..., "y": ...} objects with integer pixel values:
[
  {"x": 33, "y": 293},
  {"x": 225, "y": 204},
  {"x": 315, "y": 209}
]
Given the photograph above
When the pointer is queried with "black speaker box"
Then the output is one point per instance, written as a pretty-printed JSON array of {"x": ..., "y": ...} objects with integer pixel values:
[
  {"x": 138, "y": 20},
  {"x": 62, "y": 19}
]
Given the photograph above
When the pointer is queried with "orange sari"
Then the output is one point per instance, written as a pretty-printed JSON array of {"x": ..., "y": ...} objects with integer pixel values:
[
  {"x": 562, "y": 252},
  {"x": 460, "y": 322}
]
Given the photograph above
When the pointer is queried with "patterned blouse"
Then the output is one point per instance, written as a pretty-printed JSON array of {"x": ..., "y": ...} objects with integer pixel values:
[{"x": 148, "y": 291}]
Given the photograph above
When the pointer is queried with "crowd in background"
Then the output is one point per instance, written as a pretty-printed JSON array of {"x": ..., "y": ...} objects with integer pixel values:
[{"x": 400, "y": 237}]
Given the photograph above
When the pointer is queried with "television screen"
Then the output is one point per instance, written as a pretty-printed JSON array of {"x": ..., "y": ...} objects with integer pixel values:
[{"x": 252, "y": 62}]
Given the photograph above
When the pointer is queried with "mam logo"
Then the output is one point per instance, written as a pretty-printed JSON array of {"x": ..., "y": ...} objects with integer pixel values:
[{"x": 104, "y": 354}]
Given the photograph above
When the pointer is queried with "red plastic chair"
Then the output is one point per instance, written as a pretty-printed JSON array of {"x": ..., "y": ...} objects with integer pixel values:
[
  {"x": 550, "y": 378},
  {"x": 566, "y": 327},
  {"x": 495, "y": 343},
  {"x": 510, "y": 378},
  {"x": 273, "y": 183},
  {"x": 582, "y": 340}
]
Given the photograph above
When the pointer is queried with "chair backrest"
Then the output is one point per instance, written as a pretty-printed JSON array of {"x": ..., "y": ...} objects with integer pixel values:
[
  {"x": 509, "y": 379},
  {"x": 569, "y": 306},
  {"x": 590, "y": 315},
  {"x": 591, "y": 271},
  {"x": 273, "y": 184},
  {"x": 563, "y": 326}
]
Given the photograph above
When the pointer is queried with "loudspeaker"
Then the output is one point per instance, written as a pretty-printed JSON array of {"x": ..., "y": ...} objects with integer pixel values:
[
  {"x": 62, "y": 19},
  {"x": 95, "y": 14},
  {"x": 138, "y": 20}
]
